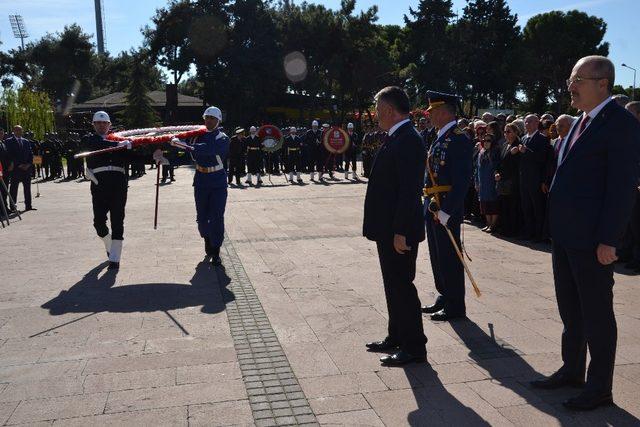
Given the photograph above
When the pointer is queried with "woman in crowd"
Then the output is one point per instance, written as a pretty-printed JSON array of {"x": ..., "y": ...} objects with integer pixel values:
[
  {"x": 507, "y": 182},
  {"x": 495, "y": 129},
  {"x": 488, "y": 160}
]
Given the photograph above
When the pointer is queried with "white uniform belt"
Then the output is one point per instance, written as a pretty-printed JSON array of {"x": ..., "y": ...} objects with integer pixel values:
[
  {"x": 108, "y": 169},
  {"x": 210, "y": 169}
]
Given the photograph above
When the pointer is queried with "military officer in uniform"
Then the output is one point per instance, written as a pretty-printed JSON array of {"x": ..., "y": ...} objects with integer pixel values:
[
  {"x": 254, "y": 156},
  {"x": 210, "y": 150},
  {"x": 313, "y": 140},
  {"x": 449, "y": 172},
  {"x": 292, "y": 146},
  {"x": 236, "y": 156},
  {"x": 108, "y": 186}
]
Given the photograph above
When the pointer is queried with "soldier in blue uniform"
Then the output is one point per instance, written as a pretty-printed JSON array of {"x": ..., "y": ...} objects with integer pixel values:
[
  {"x": 210, "y": 150},
  {"x": 449, "y": 173}
]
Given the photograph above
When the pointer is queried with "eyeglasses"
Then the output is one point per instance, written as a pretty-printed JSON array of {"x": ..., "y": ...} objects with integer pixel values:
[{"x": 580, "y": 79}]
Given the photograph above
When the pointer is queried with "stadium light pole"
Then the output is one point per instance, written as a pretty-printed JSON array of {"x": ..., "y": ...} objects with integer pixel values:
[
  {"x": 633, "y": 94},
  {"x": 18, "y": 27}
]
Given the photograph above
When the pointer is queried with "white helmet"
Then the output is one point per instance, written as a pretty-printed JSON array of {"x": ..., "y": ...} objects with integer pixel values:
[
  {"x": 293, "y": 129},
  {"x": 101, "y": 116},
  {"x": 314, "y": 123},
  {"x": 213, "y": 112},
  {"x": 350, "y": 126},
  {"x": 253, "y": 129}
]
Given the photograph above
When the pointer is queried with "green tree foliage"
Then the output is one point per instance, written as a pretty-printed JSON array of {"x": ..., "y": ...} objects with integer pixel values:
[
  {"x": 32, "y": 110},
  {"x": 487, "y": 42},
  {"x": 64, "y": 64},
  {"x": 138, "y": 112},
  {"x": 426, "y": 59},
  {"x": 552, "y": 43}
]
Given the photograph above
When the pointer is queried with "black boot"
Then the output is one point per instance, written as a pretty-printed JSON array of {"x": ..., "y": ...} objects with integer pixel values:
[{"x": 207, "y": 247}]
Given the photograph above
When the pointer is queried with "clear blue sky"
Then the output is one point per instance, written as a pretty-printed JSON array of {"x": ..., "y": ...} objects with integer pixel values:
[{"x": 124, "y": 18}]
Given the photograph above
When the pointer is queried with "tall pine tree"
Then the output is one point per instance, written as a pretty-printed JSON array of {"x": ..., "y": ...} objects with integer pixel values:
[
  {"x": 428, "y": 54},
  {"x": 138, "y": 113}
]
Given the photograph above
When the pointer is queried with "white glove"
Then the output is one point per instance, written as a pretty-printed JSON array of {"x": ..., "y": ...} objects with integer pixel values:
[
  {"x": 159, "y": 157},
  {"x": 174, "y": 142},
  {"x": 443, "y": 217},
  {"x": 125, "y": 144}
]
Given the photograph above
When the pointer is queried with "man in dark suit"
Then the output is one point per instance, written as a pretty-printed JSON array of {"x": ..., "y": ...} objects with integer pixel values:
[
  {"x": 21, "y": 157},
  {"x": 590, "y": 203},
  {"x": 449, "y": 167},
  {"x": 393, "y": 218},
  {"x": 534, "y": 151}
]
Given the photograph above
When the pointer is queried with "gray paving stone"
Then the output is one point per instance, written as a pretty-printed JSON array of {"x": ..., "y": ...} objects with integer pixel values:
[{"x": 305, "y": 295}]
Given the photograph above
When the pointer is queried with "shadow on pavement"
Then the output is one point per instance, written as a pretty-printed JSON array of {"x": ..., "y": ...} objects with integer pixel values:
[
  {"x": 95, "y": 293},
  {"x": 506, "y": 366}
]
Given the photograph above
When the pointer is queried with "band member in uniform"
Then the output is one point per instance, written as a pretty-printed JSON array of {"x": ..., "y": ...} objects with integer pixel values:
[
  {"x": 254, "y": 156},
  {"x": 449, "y": 172},
  {"x": 590, "y": 202},
  {"x": 108, "y": 186},
  {"x": 350, "y": 156},
  {"x": 292, "y": 146},
  {"x": 210, "y": 150},
  {"x": 313, "y": 140},
  {"x": 236, "y": 156},
  {"x": 393, "y": 218}
]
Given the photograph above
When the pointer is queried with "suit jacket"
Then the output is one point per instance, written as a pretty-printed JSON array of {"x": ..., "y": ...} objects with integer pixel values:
[
  {"x": 533, "y": 162},
  {"x": 393, "y": 203},
  {"x": 594, "y": 187},
  {"x": 19, "y": 151}
]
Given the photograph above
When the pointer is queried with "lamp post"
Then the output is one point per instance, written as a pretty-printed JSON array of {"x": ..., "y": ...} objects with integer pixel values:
[{"x": 633, "y": 94}]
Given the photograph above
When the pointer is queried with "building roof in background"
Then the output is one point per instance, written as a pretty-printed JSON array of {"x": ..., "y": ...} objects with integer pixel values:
[{"x": 118, "y": 99}]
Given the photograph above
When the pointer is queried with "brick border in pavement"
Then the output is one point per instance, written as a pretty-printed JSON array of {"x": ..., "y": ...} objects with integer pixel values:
[
  {"x": 296, "y": 238},
  {"x": 275, "y": 395}
]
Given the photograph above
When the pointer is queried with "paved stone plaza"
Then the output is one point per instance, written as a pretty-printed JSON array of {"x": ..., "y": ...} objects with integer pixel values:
[{"x": 277, "y": 337}]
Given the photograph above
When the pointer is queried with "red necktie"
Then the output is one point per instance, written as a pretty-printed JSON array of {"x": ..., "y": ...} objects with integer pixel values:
[{"x": 583, "y": 125}]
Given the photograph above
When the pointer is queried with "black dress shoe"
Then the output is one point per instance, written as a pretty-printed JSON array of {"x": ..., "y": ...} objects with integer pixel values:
[
  {"x": 588, "y": 401},
  {"x": 113, "y": 265},
  {"x": 381, "y": 346},
  {"x": 443, "y": 316},
  {"x": 557, "y": 380},
  {"x": 434, "y": 308},
  {"x": 402, "y": 358}
]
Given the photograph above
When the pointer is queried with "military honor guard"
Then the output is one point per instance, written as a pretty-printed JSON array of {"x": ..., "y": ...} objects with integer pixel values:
[
  {"x": 292, "y": 146},
  {"x": 590, "y": 203},
  {"x": 393, "y": 218},
  {"x": 254, "y": 156},
  {"x": 210, "y": 151},
  {"x": 449, "y": 173},
  {"x": 313, "y": 140},
  {"x": 350, "y": 156},
  {"x": 236, "y": 156},
  {"x": 108, "y": 187}
]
